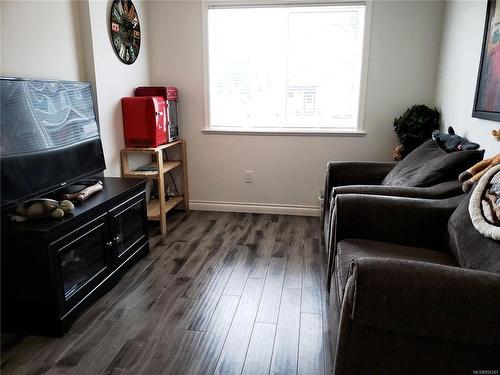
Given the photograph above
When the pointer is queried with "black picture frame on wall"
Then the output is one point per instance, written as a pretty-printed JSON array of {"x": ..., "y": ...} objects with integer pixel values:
[{"x": 489, "y": 67}]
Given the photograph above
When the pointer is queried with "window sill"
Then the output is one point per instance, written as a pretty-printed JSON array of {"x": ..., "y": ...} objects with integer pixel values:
[{"x": 305, "y": 133}]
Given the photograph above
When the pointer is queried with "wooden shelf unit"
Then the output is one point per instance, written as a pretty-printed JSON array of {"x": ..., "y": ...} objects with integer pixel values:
[{"x": 158, "y": 208}]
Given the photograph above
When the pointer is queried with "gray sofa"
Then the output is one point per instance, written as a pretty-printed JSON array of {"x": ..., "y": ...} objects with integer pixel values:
[
  {"x": 427, "y": 172},
  {"x": 344, "y": 177},
  {"x": 415, "y": 288}
]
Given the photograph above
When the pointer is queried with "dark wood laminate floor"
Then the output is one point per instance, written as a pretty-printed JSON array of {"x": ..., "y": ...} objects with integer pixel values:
[{"x": 221, "y": 293}]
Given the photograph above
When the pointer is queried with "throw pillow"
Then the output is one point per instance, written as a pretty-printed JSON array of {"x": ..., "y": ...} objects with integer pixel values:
[{"x": 428, "y": 165}]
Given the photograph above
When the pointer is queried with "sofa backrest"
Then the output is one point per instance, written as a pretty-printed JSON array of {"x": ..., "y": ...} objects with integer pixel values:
[
  {"x": 429, "y": 165},
  {"x": 469, "y": 247}
]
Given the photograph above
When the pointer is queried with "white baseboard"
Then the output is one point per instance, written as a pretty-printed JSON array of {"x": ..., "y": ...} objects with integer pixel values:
[{"x": 258, "y": 208}]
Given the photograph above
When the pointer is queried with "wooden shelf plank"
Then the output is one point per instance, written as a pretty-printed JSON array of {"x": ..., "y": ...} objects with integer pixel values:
[
  {"x": 167, "y": 166},
  {"x": 152, "y": 149},
  {"x": 154, "y": 206}
]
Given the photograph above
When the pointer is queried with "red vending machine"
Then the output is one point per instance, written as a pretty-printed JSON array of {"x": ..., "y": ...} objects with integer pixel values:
[
  {"x": 144, "y": 121},
  {"x": 171, "y": 98}
]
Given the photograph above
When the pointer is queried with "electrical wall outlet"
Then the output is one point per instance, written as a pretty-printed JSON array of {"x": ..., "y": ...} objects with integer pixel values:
[{"x": 248, "y": 177}]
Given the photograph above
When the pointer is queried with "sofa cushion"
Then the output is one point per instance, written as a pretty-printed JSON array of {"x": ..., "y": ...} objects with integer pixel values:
[
  {"x": 469, "y": 247},
  {"x": 351, "y": 249},
  {"x": 428, "y": 165}
]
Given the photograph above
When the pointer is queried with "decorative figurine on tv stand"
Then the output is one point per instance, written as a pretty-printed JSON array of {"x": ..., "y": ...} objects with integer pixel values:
[
  {"x": 92, "y": 187},
  {"x": 45, "y": 207},
  {"x": 40, "y": 208}
]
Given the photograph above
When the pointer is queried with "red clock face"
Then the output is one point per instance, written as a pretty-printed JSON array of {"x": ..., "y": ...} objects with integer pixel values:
[{"x": 125, "y": 30}]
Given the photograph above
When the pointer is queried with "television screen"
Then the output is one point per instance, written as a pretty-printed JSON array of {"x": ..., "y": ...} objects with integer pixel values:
[{"x": 49, "y": 136}]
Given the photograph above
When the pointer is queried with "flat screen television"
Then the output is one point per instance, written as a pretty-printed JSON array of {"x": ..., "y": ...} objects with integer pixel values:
[{"x": 49, "y": 137}]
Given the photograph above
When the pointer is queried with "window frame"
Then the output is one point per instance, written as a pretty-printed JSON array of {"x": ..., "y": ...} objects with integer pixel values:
[{"x": 360, "y": 129}]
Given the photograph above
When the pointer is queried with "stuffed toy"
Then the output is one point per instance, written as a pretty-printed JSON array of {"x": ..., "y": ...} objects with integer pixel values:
[
  {"x": 474, "y": 173},
  {"x": 484, "y": 204},
  {"x": 451, "y": 142},
  {"x": 38, "y": 208}
]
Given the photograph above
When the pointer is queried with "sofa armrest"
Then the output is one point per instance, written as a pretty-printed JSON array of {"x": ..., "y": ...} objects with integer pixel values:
[
  {"x": 405, "y": 221},
  {"x": 425, "y": 299},
  {"x": 340, "y": 173}
]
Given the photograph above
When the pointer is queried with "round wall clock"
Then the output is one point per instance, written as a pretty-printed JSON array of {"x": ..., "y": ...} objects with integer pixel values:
[{"x": 125, "y": 30}]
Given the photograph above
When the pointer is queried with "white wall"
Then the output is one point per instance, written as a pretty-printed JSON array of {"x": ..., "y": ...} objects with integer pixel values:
[
  {"x": 289, "y": 170},
  {"x": 115, "y": 79},
  {"x": 459, "y": 64},
  {"x": 71, "y": 40},
  {"x": 40, "y": 39}
]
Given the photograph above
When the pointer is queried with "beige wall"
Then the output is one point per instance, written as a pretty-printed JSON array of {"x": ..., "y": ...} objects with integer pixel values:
[
  {"x": 40, "y": 39},
  {"x": 459, "y": 64},
  {"x": 70, "y": 40},
  {"x": 288, "y": 170},
  {"x": 115, "y": 79}
]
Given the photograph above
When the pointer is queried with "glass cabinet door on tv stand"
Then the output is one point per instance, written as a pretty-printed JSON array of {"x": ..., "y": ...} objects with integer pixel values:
[{"x": 83, "y": 259}]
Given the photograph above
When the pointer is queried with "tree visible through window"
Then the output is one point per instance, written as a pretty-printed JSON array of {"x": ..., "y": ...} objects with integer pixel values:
[{"x": 285, "y": 67}]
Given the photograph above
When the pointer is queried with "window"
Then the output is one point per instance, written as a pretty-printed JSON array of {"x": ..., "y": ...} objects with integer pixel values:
[{"x": 284, "y": 68}]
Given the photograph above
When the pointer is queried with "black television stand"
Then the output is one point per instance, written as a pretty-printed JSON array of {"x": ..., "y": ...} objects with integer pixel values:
[{"x": 53, "y": 268}]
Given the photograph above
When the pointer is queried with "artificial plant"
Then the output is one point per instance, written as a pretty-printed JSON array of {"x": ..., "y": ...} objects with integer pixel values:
[{"x": 414, "y": 127}]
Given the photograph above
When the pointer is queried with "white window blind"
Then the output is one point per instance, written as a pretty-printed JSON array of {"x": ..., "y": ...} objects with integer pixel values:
[{"x": 285, "y": 67}]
